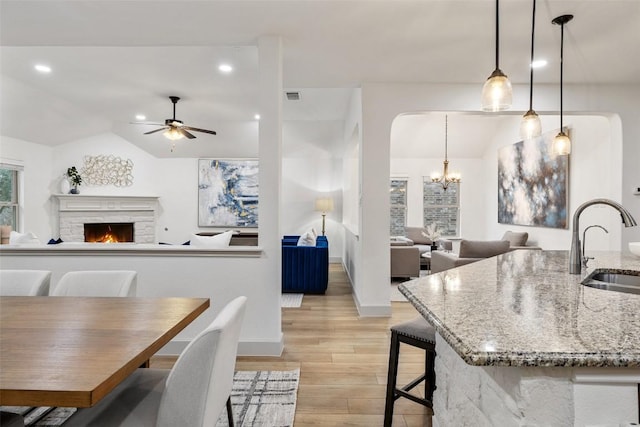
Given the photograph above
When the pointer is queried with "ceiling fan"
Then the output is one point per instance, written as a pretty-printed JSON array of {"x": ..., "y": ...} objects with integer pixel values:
[{"x": 175, "y": 129}]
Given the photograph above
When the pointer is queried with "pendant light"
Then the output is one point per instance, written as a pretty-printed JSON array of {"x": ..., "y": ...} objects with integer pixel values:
[
  {"x": 446, "y": 178},
  {"x": 497, "y": 92},
  {"x": 530, "y": 127},
  {"x": 562, "y": 143}
]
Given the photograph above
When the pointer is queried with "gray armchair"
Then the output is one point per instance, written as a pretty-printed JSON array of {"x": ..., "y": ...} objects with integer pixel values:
[{"x": 470, "y": 251}]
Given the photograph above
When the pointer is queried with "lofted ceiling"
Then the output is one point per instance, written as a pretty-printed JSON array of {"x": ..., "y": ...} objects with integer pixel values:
[{"x": 112, "y": 60}]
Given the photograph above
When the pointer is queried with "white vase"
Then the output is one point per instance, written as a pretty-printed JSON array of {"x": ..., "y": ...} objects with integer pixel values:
[{"x": 65, "y": 186}]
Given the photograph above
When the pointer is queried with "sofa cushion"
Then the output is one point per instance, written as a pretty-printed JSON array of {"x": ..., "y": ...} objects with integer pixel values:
[
  {"x": 516, "y": 238},
  {"x": 219, "y": 241},
  {"x": 307, "y": 239},
  {"x": 415, "y": 234},
  {"x": 16, "y": 238},
  {"x": 401, "y": 241},
  {"x": 482, "y": 248}
]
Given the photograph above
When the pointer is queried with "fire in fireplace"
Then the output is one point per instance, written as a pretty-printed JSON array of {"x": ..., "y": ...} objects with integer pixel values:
[{"x": 113, "y": 232}]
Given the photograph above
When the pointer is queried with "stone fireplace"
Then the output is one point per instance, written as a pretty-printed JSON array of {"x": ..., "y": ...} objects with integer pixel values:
[{"x": 76, "y": 211}]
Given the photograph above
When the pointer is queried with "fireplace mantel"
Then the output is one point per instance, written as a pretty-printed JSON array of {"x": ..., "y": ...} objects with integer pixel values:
[
  {"x": 91, "y": 203},
  {"x": 74, "y": 210}
]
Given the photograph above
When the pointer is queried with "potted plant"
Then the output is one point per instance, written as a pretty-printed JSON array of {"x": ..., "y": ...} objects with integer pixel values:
[
  {"x": 432, "y": 233},
  {"x": 75, "y": 179}
]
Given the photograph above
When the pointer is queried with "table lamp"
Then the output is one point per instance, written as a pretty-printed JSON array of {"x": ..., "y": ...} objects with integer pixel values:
[{"x": 324, "y": 205}]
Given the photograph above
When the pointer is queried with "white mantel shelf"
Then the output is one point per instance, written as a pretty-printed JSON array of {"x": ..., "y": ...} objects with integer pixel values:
[
  {"x": 128, "y": 249},
  {"x": 94, "y": 202}
]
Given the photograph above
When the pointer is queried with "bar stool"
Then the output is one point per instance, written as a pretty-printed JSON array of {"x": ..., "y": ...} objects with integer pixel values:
[{"x": 418, "y": 333}]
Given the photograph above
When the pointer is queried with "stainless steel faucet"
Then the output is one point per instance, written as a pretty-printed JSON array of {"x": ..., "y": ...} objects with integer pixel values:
[
  {"x": 575, "y": 262},
  {"x": 585, "y": 258}
]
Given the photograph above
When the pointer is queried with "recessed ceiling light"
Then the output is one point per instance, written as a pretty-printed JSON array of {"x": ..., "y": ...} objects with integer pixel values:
[
  {"x": 141, "y": 117},
  {"x": 225, "y": 68},
  {"x": 257, "y": 117},
  {"x": 539, "y": 63},
  {"x": 42, "y": 68}
]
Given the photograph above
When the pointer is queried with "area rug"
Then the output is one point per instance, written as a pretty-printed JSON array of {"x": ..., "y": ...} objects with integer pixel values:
[
  {"x": 263, "y": 398},
  {"x": 259, "y": 398},
  {"x": 291, "y": 300}
]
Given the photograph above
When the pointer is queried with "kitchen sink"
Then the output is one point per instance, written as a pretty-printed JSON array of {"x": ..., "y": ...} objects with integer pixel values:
[{"x": 628, "y": 282}]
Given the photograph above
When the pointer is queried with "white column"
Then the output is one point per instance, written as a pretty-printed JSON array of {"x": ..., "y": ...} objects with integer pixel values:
[{"x": 270, "y": 156}]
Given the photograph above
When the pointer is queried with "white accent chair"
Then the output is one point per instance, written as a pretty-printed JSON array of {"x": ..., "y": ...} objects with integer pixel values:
[
  {"x": 97, "y": 284},
  {"x": 192, "y": 394},
  {"x": 24, "y": 282}
]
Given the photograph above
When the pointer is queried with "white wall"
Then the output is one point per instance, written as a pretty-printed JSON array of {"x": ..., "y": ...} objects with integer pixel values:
[
  {"x": 381, "y": 103},
  {"x": 352, "y": 177},
  {"x": 307, "y": 172},
  {"x": 311, "y": 170},
  {"x": 175, "y": 182},
  {"x": 472, "y": 189},
  {"x": 594, "y": 160},
  {"x": 37, "y": 185}
]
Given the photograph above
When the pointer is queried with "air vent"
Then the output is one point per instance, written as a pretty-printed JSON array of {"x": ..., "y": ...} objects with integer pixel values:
[{"x": 293, "y": 96}]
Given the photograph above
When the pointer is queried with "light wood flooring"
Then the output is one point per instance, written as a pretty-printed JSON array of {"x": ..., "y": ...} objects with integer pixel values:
[{"x": 342, "y": 359}]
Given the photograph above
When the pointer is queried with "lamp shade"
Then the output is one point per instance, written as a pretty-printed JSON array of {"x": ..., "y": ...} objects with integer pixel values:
[{"x": 324, "y": 204}]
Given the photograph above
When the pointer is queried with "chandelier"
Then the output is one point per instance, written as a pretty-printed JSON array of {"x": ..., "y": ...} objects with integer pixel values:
[{"x": 446, "y": 178}]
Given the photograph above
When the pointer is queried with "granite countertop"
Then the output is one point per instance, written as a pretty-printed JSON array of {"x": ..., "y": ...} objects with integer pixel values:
[{"x": 523, "y": 308}]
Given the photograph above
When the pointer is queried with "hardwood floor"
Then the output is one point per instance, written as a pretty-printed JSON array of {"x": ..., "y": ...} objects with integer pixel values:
[{"x": 342, "y": 359}]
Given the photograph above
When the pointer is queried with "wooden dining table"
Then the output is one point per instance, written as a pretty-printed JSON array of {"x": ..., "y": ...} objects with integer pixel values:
[{"x": 72, "y": 351}]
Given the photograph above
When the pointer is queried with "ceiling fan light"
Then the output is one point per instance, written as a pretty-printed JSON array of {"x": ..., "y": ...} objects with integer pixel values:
[
  {"x": 530, "y": 127},
  {"x": 497, "y": 93},
  {"x": 173, "y": 134},
  {"x": 562, "y": 144}
]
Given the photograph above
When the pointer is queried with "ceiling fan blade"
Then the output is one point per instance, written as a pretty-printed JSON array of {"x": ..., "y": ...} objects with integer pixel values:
[
  {"x": 200, "y": 130},
  {"x": 156, "y": 130},
  {"x": 185, "y": 133},
  {"x": 146, "y": 123}
]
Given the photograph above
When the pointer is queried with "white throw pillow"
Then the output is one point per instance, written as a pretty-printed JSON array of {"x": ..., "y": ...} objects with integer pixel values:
[
  {"x": 16, "y": 238},
  {"x": 307, "y": 239},
  {"x": 219, "y": 241}
]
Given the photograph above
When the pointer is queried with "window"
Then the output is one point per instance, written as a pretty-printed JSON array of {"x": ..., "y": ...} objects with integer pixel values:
[
  {"x": 442, "y": 207},
  {"x": 9, "y": 196},
  {"x": 398, "y": 193}
]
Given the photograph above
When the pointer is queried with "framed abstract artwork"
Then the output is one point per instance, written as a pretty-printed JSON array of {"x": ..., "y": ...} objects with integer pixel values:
[
  {"x": 227, "y": 193},
  {"x": 533, "y": 184}
]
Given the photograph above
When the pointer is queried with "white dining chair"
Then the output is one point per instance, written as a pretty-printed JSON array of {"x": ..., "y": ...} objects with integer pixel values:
[
  {"x": 24, "y": 282},
  {"x": 192, "y": 394},
  {"x": 97, "y": 284}
]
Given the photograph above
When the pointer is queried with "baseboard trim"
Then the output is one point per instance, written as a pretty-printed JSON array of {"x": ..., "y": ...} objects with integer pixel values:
[
  {"x": 367, "y": 310},
  {"x": 245, "y": 348},
  {"x": 371, "y": 310}
]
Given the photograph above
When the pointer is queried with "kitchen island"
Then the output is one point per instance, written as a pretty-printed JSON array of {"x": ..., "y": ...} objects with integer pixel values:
[{"x": 520, "y": 341}]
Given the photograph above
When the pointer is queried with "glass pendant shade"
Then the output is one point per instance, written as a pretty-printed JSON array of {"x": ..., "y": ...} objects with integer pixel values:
[
  {"x": 530, "y": 127},
  {"x": 497, "y": 93},
  {"x": 562, "y": 144},
  {"x": 173, "y": 134}
]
